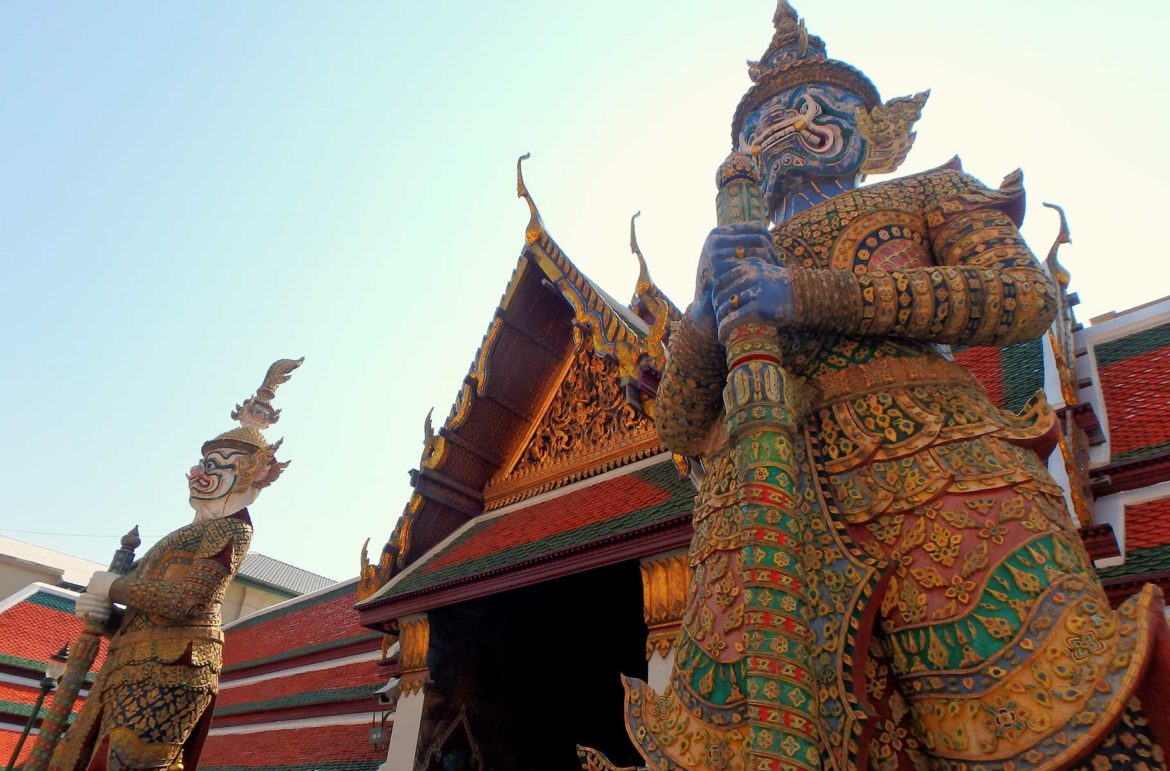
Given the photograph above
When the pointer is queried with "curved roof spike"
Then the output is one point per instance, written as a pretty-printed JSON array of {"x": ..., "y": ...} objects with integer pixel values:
[
  {"x": 1063, "y": 237},
  {"x": 535, "y": 225},
  {"x": 1058, "y": 271},
  {"x": 428, "y": 427},
  {"x": 644, "y": 282}
]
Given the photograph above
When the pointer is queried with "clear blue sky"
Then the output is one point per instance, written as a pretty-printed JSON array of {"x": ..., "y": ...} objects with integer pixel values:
[{"x": 192, "y": 190}]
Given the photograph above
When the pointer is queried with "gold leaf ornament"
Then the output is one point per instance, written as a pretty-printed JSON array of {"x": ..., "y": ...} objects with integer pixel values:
[{"x": 887, "y": 129}]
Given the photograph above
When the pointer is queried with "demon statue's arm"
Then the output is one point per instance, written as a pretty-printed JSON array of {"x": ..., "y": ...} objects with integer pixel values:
[
  {"x": 205, "y": 578},
  {"x": 985, "y": 288},
  {"x": 691, "y": 387}
]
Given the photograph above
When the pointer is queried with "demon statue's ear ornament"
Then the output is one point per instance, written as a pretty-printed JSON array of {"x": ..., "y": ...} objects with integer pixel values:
[{"x": 887, "y": 131}]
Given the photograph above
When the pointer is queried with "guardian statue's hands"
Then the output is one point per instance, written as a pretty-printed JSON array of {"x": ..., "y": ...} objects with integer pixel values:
[
  {"x": 100, "y": 583},
  {"x": 94, "y": 604},
  {"x": 93, "y": 607},
  {"x": 746, "y": 283},
  {"x": 718, "y": 276}
]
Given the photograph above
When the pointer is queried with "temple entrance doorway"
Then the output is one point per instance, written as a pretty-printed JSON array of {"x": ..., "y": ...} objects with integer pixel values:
[{"x": 530, "y": 673}]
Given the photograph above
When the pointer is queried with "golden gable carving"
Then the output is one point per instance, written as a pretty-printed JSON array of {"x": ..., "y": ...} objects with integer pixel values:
[{"x": 588, "y": 427}]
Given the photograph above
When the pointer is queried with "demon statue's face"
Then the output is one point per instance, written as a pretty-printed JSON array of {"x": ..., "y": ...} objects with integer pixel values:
[
  {"x": 227, "y": 479},
  {"x": 809, "y": 144}
]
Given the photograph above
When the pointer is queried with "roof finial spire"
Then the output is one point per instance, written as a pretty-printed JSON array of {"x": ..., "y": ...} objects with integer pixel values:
[
  {"x": 644, "y": 283},
  {"x": 1058, "y": 271},
  {"x": 535, "y": 225}
]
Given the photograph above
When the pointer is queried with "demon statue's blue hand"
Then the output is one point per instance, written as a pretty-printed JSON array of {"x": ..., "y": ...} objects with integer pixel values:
[
  {"x": 747, "y": 284},
  {"x": 725, "y": 247}
]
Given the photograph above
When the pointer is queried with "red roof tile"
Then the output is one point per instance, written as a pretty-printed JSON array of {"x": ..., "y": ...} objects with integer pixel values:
[
  {"x": 1147, "y": 524},
  {"x": 986, "y": 363},
  {"x": 1011, "y": 375},
  {"x": 634, "y": 502},
  {"x": 1137, "y": 401},
  {"x": 336, "y": 746},
  {"x": 35, "y": 628},
  {"x": 8, "y": 741},
  {"x": 31, "y": 631},
  {"x": 296, "y": 627},
  {"x": 348, "y": 676},
  {"x": 592, "y": 504}
]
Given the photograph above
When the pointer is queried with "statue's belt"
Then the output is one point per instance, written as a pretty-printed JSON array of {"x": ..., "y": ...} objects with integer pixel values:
[
  {"x": 879, "y": 374},
  {"x": 183, "y": 633}
]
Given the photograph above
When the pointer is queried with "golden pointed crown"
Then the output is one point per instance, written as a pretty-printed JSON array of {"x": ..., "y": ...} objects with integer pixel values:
[
  {"x": 795, "y": 57},
  {"x": 256, "y": 413}
]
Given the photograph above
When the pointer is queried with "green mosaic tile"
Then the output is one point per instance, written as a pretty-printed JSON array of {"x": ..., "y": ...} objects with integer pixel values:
[
  {"x": 1023, "y": 373},
  {"x": 44, "y": 599},
  {"x": 1133, "y": 345}
]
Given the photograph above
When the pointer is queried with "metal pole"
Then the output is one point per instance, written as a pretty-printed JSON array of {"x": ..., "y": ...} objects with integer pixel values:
[{"x": 46, "y": 686}]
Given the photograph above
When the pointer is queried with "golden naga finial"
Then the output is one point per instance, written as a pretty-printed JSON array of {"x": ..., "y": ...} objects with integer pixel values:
[
  {"x": 428, "y": 427},
  {"x": 535, "y": 225},
  {"x": 1058, "y": 271},
  {"x": 651, "y": 305},
  {"x": 644, "y": 282},
  {"x": 886, "y": 127},
  {"x": 434, "y": 445}
]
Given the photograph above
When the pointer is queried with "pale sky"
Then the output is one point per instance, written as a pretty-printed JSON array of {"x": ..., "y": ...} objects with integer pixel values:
[{"x": 192, "y": 190}]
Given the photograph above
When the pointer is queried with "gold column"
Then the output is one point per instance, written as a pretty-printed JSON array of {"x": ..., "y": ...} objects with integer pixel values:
[
  {"x": 664, "y": 594},
  {"x": 415, "y": 639}
]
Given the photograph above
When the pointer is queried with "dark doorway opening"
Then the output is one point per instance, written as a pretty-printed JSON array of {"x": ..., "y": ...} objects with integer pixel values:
[{"x": 536, "y": 670}]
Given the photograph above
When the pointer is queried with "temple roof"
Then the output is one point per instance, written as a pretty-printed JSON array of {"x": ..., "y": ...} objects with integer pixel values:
[
  {"x": 303, "y": 626},
  {"x": 281, "y": 575},
  {"x": 639, "y": 499},
  {"x": 74, "y": 571},
  {"x": 1147, "y": 545},
  {"x": 313, "y": 748},
  {"x": 297, "y": 689},
  {"x": 34, "y": 623},
  {"x": 519, "y": 426},
  {"x": 1132, "y": 371},
  {"x": 354, "y": 682}
]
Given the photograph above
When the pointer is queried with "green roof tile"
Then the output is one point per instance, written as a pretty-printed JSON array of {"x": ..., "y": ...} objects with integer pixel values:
[
  {"x": 1133, "y": 345},
  {"x": 1139, "y": 562}
]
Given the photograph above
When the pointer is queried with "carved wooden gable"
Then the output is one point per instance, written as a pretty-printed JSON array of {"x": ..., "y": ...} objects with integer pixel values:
[{"x": 588, "y": 427}]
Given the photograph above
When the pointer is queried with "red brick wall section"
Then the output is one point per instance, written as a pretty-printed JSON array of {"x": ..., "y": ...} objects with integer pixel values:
[
  {"x": 318, "y": 623},
  {"x": 347, "y": 676},
  {"x": 1137, "y": 400},
  {"x": 986, "y": 363},
  {"x": 290, "y": 748},
  {"x": 1147, "y": 524}
]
